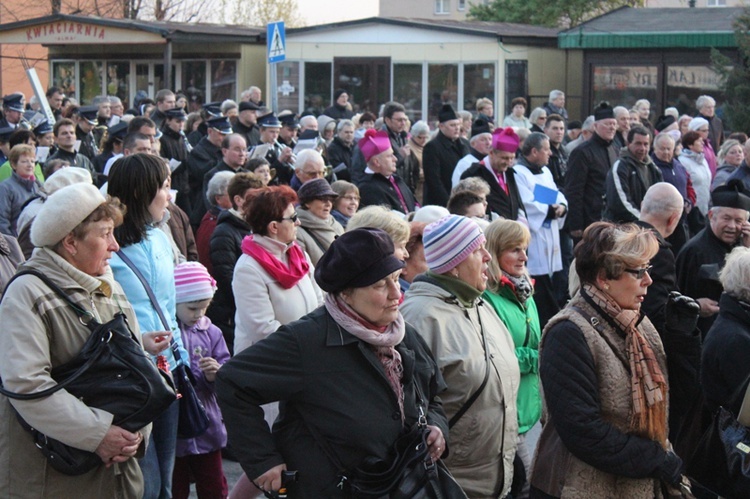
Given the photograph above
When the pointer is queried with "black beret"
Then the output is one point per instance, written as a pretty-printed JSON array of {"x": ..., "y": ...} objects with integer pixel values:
[{"x": 731, "y": 195}]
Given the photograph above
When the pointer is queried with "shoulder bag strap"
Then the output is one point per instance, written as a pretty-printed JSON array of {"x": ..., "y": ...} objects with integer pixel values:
[
  {"x": 316, "y": 240},
  {"x": 467, "y": 405},
  {"x": 154, "y": 302},
  {"x": 86, "y": 318}
]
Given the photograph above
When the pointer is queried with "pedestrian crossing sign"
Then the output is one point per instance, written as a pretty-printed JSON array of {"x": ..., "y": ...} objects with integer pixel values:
[{"x": 276, "y": 39}]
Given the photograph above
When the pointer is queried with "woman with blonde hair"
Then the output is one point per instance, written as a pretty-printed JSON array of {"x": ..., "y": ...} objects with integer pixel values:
[
  {"x": 603, "y": 372},
  {"x": 510, "y": 292}
]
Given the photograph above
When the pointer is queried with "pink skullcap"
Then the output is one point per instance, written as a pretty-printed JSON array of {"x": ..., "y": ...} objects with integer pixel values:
[
  {"x": 373, "y": 143},
  {"x": 193, "y": 283},
  {"x": 505, "y": 139}
]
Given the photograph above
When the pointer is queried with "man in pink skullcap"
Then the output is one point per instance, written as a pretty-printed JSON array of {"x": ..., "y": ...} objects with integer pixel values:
[
  {"x": 496, "y": 170},
  {"x": 381, "y": 185}
]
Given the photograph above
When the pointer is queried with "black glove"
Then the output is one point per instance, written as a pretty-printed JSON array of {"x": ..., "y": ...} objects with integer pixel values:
[
  {"x": 670, "y": 472},
  {"x": 682, "y": 313}
]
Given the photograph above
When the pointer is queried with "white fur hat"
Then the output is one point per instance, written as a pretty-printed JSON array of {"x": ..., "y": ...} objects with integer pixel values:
[
  {"x": 62, "y": 212},
  {"x": 66, "y": 176}
]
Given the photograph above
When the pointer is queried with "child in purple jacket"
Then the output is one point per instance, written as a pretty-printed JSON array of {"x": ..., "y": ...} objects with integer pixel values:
[{"x": 200, "y": 458}]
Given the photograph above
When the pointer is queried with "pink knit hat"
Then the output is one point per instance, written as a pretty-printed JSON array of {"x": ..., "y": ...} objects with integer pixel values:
[
  {"x": 505, "y": 139},
  {"x": 193, "y": 283},
  {"x": 373, "y": 143},
  {"x": 449, "y": 241}
]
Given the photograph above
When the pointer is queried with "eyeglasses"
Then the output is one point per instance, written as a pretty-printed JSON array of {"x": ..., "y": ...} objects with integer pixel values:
[
  {"x": 351, "y": 198},
  {"x": 317, "y": 174},
  {"x": 293, "y": 218},
  {"x": 639, "y": 273}
]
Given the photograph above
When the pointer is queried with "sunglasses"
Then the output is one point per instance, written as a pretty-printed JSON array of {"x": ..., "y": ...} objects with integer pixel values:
[
  {"x": 293, "y": 218},
  {"x": 639, "y": 273}
]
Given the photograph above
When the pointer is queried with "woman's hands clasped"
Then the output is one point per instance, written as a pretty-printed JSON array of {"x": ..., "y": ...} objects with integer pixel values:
[{"x": 118, "y": 445}]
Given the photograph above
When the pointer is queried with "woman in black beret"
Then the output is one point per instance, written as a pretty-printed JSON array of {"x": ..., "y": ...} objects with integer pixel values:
[{"x": 349, "y": 374}]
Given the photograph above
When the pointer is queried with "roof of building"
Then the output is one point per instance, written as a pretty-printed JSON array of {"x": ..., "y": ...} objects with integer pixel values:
[
  {"x": 649, "y": 28},
  {"x": 508, "y": 32},
  {"x": 174, "y": 31}
]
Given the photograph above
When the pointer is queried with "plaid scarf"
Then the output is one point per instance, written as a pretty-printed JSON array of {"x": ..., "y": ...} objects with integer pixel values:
[{"x": 647, "y": 383}]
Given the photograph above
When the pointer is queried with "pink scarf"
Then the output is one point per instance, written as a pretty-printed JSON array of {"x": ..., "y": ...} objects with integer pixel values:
[
  {"x": 286, "y": 275},
  {"x": 382, "y": 340}
]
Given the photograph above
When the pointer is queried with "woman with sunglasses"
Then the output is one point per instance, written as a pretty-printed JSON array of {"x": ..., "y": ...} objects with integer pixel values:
[
  {"x": 604, "y": 379},
  {"x": 273, "y": 280}
]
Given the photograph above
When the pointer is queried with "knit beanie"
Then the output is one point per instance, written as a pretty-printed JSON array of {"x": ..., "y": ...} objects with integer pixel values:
[
  {"x": 449, "y": 241},
  {"x": 193, "y": 283},
  {"x": 63, "y": 211}
]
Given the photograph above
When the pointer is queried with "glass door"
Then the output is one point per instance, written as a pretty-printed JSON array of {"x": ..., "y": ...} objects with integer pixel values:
[{"x": 367, "y": 80}]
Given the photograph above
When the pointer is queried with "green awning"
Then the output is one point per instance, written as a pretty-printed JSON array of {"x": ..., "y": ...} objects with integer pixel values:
[{"x": 624, "y": 40}]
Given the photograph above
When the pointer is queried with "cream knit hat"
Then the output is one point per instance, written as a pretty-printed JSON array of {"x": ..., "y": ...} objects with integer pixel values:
[{"x": 62, "y": 212}]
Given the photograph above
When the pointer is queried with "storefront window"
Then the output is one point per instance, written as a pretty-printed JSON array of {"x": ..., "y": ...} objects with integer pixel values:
[
  {"x": 118, "y": 76},
  {"x": 516, "y": 83},
  {"x": 624, "y": 85},
  {"x": 287, "y": 85},
  {"x": 159, "y": 77},
  {"x": 223, "y": 80},
  {"x": 64, "y": 77},
  {"x": 442, "y": 88},
  {"x": 686, "y": 83},
  {"x": 91, "y": 80},
  {"x": 194, "y": 83},
  {"x": 407, "y": 89},
  {"x": 317, "y": 86},
  {"x": 479, "y": 82}
]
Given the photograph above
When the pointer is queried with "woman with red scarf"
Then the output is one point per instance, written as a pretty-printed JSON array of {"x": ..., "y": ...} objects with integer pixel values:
[{"x": 273, "y": 280}]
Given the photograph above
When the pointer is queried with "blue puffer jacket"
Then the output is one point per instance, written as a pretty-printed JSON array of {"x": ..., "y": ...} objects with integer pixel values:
[{"x": 153, "y": 257}]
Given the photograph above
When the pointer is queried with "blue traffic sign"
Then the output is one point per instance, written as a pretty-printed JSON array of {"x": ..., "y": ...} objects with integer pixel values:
[{"x": 276, "y": 41}]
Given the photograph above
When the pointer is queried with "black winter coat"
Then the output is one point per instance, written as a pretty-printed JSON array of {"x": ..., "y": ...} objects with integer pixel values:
[
  {"x": 724, "y": 361},
  {"x": 174, "y": 145},
  {"x": 585, "y": 181},
  {"x": 683, "y": 348},
  {"x": 338, "y": 153},
  {"x": 329, "y": 379},
  {"x": 505, "y": 205},
  {"x": 439, "y": 159},
  {"x": 202, "y": 158},
  {"x": 627, "y": 183},
  {"x": 378, "y": 190},
  {"x": 225, "y": 249},
  {"x": 251, "y": 134},
  {"x": 88, "y": 144}
]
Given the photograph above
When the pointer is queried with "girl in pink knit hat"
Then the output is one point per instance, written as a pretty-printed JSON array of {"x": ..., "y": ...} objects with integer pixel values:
[{"x": 200, "y": 457}]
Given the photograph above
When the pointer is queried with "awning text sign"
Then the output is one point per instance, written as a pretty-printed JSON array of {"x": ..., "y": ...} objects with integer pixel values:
[{"x": 71, "y": 32}]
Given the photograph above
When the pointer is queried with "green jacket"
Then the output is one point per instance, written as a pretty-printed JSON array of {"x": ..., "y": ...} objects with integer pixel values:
[
  {"x": 516, "y": 318},
  {"x": 6, "y": 171}
]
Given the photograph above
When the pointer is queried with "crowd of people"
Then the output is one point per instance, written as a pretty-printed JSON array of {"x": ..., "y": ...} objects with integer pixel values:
[{"x": 557, "y": 301}]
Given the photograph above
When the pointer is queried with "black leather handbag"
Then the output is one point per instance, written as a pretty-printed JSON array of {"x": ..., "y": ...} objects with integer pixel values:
[
  {"x": 111, "y": 373},
  {"x": 193, "y": 419},
  {"x": 721, "y": 461}
]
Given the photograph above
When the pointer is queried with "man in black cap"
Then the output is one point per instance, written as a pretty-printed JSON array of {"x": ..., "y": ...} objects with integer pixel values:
[
  {"x": 201, "y": 159},
  {"x": 247, "y": 123},
  {"x": 339, "y": 110},
  {"x": 85, "y": 123},
  {"x": 65, "y": 137},
  {"x": 587, "y": 171},
  {"x": 278, "y": 156},
  {"x": 289, "y": 129},
  {"x": 12, "y": 110},
  {"x": 208, "y": 110},
  {"x": 440, "y": 157},
  {"x": 480, "y": 145},
  {"x": 700, "y": 260},
  {"x": 174, "y": 145}
]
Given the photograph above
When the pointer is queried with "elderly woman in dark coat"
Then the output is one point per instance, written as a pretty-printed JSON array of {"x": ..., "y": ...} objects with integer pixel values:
[
  {"x": 348, "y": 371},
  {"x": 724, "y": 366}
]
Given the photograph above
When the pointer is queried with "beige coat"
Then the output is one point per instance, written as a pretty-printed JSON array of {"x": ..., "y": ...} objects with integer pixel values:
[
  {"x": 314, "y": 230},
  {"x": 263, "y": 305},
  {"x": 483, "y": 442},
  {"x": 560, "y": 473},
  {"x": 40, "y": 331}
]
